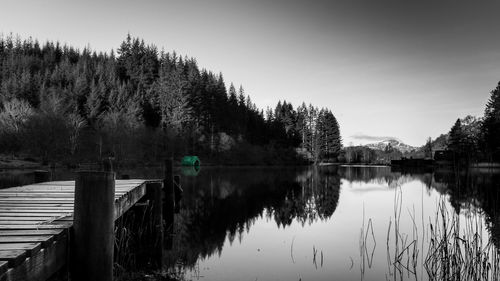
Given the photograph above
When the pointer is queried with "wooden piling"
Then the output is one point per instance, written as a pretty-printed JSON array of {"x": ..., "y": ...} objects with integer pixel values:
[
  {"x": 93, "y": 224},
  {"x": 155, "y": 196},
  {"x": 169, "y": 203},
  {"x": 42, "y": 176}
]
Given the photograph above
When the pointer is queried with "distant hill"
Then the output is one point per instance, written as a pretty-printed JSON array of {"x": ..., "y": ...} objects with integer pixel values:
[{"x": 394, "y": 143}]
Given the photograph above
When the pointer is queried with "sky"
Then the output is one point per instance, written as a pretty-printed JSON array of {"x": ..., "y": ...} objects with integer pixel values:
[{"x": 403, "y": 69}]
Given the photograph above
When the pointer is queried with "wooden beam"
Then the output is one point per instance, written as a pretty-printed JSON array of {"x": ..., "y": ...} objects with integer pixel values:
[
  {"x": 13, "y": 257},
  {"x": 128, "y": 200},
  {"x": 45, "y": 240},
  {"x": 41, "y": 265},
  {"x": 30, "y": 248}
]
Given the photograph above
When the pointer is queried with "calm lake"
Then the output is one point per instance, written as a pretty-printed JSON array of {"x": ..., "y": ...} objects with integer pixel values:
[{"x": 330, "y": 222}]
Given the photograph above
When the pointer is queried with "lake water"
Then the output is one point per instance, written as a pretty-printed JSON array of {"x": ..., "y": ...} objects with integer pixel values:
[
  {"x": 331, "y": 222},
  {"x": 307, "y": 223}
]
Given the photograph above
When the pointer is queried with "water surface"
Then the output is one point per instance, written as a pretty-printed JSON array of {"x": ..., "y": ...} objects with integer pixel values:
[
  {"x": 307, "y": 223},
  {"x": 323, "y": 223}
]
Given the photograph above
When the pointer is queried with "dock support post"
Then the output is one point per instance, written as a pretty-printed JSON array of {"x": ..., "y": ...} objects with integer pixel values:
[
  {"x": 42, "y": 176},
  {"x": 93, "y": 225},
  {"x": 155, "y": 195},
  {"x": 169, "y": 205}
]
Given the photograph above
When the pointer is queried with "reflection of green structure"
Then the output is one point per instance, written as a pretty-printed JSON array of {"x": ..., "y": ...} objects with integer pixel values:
[
  {"x": 190, "y": 171},
  {"x": 190, "y": 161}
]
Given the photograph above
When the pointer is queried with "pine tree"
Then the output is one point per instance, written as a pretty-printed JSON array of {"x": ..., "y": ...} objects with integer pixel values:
[
  {"x": 232, "y": 99},
  {"x": 428, "y": 148},
  {"x": 455, "y": 139},
  {"x": 491, "y": 124},
  {"x": 301, "y": 124},
  {"x": 241, "y": 98},
  {"x": 332, "y": 140},
  {"x": 173, "y": 101}
]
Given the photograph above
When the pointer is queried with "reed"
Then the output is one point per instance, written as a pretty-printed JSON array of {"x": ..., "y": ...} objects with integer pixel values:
[
  {"x": 451, "y": 246},
  {"x": 460, "y": 253}
]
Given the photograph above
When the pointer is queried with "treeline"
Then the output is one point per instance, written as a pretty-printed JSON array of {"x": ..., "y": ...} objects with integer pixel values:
[
  {"x": 472, "y": 139},
  {"x": 366, "y": 155},
  {"x": 62, "y": 104}
]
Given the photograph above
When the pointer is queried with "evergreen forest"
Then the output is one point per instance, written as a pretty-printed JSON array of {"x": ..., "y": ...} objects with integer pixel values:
[{"x": 59, "y": 104}]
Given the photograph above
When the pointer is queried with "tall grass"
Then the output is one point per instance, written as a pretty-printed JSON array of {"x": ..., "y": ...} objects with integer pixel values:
[
  {"x": 449, "y": 246},
  {"x": 460, "y": 253}
]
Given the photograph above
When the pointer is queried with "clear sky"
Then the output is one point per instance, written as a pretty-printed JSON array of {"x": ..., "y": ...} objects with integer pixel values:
[{"x": 385, "y": 68}]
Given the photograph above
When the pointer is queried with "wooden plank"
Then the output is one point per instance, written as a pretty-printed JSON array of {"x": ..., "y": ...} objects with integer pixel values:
[
  {"x": 42, "y": 265},
  {"x": 41, "y": 199},
  {"x": 65, "y": 189},
  {"x": 34, "y": 232},
  {"x": 34, "y": 221},
  {"x": 35, "y": 205},
  {"x": 13, "y": 257},
  {"x": 34, "y": 199},
  {"x": 45, "y": 240},
  {"x": 30, "y": 248},
  {"x": 134, "y": 182},
  {"x": 34, "y": 226},
  {"x": 46, "y": 194},
  {"x": 32, "y": 218},
  {"x": 31, "y": 210},
  {"x": 30, "y": 222},
  {"x": 34, "y": 202},
  {"x": 52, "y": 213},
  {"x": 36, "y": 195},
  {"x": 18, "y": 201},
  {"x": 56, "y": 183}
]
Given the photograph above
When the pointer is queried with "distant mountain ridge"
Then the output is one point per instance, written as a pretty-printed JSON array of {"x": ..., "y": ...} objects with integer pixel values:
[{"x": 394, "y": 143}]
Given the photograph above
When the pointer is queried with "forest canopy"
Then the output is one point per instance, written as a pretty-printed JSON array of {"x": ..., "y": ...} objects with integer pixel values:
[{"x": 59, "y": 103}]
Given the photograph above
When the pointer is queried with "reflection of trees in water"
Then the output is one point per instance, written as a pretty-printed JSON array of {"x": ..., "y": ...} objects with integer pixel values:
[
  {"x": 467, "y": 190},
  {"x": 314, "y": 197},
  {"x": 221, "y": 204},
  {"x": 475, "y": 190},
  {"x": 225, "y": 204},
  {"x": 381, "y": 175}
]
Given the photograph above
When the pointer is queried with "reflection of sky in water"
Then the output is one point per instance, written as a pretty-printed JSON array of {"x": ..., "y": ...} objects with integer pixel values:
[{"x": 265, "y": 252}]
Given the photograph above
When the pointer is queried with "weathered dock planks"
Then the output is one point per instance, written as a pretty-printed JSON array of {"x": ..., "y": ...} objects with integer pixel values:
[{"x": 35, "y": 221}]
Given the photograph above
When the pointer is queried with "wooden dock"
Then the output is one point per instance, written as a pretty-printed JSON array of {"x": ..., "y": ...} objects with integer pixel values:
[{"x": 35, "y": 221}]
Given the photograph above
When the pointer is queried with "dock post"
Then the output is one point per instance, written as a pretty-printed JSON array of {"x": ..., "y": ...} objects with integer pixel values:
[
  {"x": 42, "y": 176},
  {"x": 93, "y": 224},
  {"x": 154, "y": 195},
  {"x": 169, "y": 204}
]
